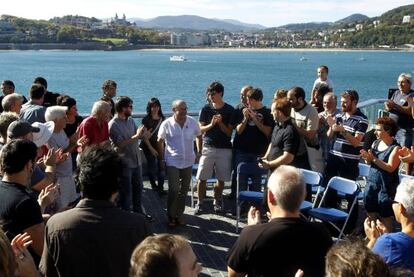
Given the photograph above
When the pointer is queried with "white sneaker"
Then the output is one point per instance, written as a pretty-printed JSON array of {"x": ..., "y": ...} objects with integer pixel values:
[{"x": 216, "y": 206}]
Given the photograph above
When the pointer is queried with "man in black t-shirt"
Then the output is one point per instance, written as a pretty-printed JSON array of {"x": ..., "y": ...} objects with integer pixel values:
[
  {"x": 253, "y": 124},
  {"x": 216, "y": 151},
  {"x": 285, "y": 139},
  {"x": 287, "y": 242},
  {"x": 50, "y": 98},
  {"x": 19, "y": 212},
  {"x": 238, "y": 113}
]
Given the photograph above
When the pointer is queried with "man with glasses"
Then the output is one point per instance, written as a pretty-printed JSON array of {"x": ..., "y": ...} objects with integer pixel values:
[
  {"x": 400, "y": 111},
  {"x": 176, "y": 152},
  {"x": 216, "y": 153},
  {"x": 125, "y": 135}
]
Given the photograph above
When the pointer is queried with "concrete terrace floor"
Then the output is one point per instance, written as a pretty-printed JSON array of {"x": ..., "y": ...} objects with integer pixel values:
[{"x": 210, "y": 234}]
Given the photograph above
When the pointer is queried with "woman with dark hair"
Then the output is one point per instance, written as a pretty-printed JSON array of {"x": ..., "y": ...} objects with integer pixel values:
[
  {"x": 152, "y": 122},
  {"x": 73, "y": 120},
  {"x": 383, "y": 175}
]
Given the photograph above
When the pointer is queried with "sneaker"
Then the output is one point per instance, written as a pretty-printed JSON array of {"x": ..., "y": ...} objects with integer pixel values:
[
  {"x": 149, "y": 218},
  {"x": 197, "y": 209},
  {"x": 217, "y": 208}
]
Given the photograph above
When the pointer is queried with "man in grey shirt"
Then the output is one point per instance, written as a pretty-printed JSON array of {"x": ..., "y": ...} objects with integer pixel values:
[
  {"x": 124, "y": 135},
  {"x": 33, "y": 111}
]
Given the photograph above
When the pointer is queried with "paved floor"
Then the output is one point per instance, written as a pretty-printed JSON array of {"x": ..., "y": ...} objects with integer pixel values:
[{"x": 210, "y": 234}]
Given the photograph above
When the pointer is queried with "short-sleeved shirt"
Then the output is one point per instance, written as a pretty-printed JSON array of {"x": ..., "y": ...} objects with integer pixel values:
[
  {"x": 215, "y": 137},
  {"x": 96, "y": 134},
  {"x": 355, "y": 124},
  {"x": 397, "y": 249},
  {"x": 179, "y": 142},
  {"x": 18, "y": 211},
  {"x": 328, "y": 82},
  {"x": 33, "y": 113},
  {"x": 281, "y": 247},
  {"x": 251, "y": 133},
  {"x": 403, "y": 120},
  {"x": 121, "y": 130},
  {"x": 285, "y": 137},
  {"x": 306, "y": 118},
  {"x": 61, "y": 140}
]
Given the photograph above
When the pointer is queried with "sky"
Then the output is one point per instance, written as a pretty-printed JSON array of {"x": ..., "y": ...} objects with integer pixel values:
[{"x": 265, "y": 12}]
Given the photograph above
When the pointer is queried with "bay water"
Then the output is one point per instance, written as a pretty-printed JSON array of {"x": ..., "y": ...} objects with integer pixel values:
[{"x": 145, "y": 74}]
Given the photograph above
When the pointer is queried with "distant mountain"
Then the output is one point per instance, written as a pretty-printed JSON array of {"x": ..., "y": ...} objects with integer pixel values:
[
  {"x": 247, "y": 25},
  {"x": 356, "y": 17},
  {"x": 192, "y": 22},
  {"x": 306, "y": 26},
  {"x": 395, "y": 16}
]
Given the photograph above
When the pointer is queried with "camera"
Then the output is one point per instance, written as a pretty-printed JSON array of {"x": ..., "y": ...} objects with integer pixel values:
[{"x": 260, "y": 160}]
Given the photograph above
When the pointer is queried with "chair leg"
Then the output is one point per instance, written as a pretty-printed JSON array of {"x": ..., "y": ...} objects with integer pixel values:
[
  {"x": 349, "y": 215},
  {"x": 237, "y": 215},
  {"x": 192, "y": 194}
]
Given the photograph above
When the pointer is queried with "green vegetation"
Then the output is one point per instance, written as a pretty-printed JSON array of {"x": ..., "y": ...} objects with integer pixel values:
[
  {"x": 72, "y": 29},
  {"x": 113, "y": 41}
]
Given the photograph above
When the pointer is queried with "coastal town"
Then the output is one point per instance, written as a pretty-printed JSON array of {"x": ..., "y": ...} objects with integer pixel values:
[{"x": 392, "y": 30}]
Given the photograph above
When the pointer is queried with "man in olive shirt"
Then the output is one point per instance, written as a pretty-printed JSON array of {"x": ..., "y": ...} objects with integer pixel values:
[{"x": 95, "y": 238}]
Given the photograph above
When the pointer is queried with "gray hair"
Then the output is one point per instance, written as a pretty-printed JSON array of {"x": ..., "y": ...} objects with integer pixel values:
[
  {"x": 288, "y": 187},
  {"x": 100, "y": 106},
  {"x": 406, "y": 76},
  {"x": 6, "y": 118},
  {"x": 55, "y": 112},
  {"x": 10, "y": 100},
  {"x": 405, "y": 196}
]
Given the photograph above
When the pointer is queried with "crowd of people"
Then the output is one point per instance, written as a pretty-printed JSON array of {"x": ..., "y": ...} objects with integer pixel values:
[{"x": 71, "y": 183}]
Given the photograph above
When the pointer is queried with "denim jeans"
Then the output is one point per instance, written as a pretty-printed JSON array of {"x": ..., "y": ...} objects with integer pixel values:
[
  {"x": 239, "y": 157},
  {"x": 154, "y": 170},
  {"x": 130, "y": 192}
]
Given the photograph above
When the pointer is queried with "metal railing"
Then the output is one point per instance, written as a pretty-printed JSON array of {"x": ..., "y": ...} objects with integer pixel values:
[{"x": 370, "y": 108}]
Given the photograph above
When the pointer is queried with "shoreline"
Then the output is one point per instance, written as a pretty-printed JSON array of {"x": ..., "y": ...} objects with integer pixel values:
[
  {"x": 96, "y": 46},
  {"x": 272, "y": 50}
]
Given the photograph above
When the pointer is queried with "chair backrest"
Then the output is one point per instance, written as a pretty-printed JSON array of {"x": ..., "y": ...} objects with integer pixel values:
[
  {"x": 363, "y": 169},
  {"x": 311, "y": 177},
  {"x": 343, "y": 185},
  {"x": 402, "y": 176},
  {"x": 250, "y": 168}
]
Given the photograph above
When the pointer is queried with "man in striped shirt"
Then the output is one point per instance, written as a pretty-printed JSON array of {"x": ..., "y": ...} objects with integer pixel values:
[{"x": 349, "y": 128}]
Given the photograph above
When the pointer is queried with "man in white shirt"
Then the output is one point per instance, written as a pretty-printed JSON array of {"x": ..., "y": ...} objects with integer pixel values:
[{"x": 176, "y": 151}]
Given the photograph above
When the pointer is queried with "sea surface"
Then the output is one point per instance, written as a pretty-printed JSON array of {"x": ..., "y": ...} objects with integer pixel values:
[{"x": 145, "y": 74}]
